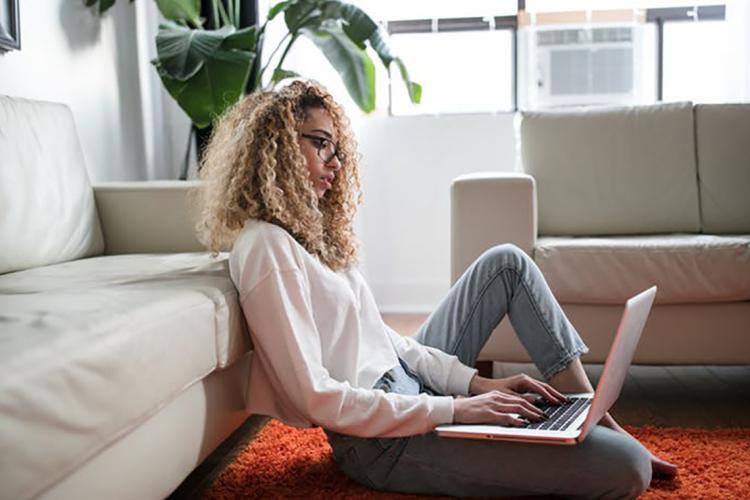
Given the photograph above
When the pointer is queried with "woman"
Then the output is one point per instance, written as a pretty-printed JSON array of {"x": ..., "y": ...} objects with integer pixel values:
[{"x": 281, "y": 187}]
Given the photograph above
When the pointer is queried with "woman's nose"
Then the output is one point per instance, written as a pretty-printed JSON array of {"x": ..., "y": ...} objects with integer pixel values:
[{"x": 334, "y": 163}]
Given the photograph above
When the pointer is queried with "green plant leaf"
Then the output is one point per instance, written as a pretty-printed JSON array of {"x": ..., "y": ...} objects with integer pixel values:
[
  {"x": 274, "y": 11},
  {"x": 352, "y": 63},
  {"x": 358, "y": 26},
  {"x": 104, "y": 5},
  {"x": 182, "y": 51},
  {"x": 302, "y": 14},
  {"x": 218, "y": 84},
  {"x": 180, "y": 10},
  {"x": 280, "y": 74},
  {"x": 414, "y": 89},
  {"x": 380, "y": 46},
  {"x": 243, "y": 39}
]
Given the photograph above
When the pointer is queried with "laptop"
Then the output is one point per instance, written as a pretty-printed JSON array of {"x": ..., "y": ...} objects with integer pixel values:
[{"x": 570, "y": 423}]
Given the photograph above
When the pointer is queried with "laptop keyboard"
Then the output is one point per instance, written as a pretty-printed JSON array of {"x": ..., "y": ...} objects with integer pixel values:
[{"x": 560, "y": 416}]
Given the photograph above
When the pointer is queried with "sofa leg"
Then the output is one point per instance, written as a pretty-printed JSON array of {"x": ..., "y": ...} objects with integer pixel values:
[{"x": 485, "y": 368}]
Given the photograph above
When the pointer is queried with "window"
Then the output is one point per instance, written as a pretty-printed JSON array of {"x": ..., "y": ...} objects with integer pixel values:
[
  {"x": 464, "y": 52},
  {"x": 502, "y": 55},
  {"x": 697, "y": 60},
  {"x": 463, "y": 71}
]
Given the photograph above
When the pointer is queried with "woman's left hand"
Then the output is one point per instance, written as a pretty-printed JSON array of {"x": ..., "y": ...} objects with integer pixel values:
[{"x": 519, "y": 385}]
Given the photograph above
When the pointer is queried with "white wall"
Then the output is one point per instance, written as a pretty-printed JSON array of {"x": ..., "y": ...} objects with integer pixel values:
[
  {"x": 404, "y": 223},
  {"x": 165, "y": 127},
  {"x": 69, "y": 55}
]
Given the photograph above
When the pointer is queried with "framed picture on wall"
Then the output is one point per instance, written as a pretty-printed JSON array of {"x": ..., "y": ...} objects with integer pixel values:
[{"x": 10, "y": 31}]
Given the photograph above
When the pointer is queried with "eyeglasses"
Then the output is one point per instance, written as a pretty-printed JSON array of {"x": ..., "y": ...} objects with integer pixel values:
[{"x": 327, "y": 149}]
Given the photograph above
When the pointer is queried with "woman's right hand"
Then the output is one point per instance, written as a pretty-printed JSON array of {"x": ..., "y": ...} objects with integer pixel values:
[{"x": 495, "y": 407}]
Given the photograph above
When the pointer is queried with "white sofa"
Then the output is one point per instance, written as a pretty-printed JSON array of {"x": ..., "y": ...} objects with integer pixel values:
[
  {"x": 123, "y": 351},
  {"x": 612, "y": 200}
]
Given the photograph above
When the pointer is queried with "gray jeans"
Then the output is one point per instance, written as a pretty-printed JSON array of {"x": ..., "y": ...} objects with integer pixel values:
[{"x": 501, "y": 281}]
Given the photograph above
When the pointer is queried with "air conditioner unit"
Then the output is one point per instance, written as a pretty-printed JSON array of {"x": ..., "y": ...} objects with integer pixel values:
[{"x": 577, "y": 65}]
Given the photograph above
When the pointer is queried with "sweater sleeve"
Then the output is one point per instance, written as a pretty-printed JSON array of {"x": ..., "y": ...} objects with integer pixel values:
[
  {"x": 441, "y": 371},
  {"x": 280, "y": 317}
]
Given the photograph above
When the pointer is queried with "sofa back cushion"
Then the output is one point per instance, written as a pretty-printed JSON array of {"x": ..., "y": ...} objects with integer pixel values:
[
  {"x": 613, "y": 170},
  {"x": 722, "y": 134},
  {"x": 47, "y": 210}
]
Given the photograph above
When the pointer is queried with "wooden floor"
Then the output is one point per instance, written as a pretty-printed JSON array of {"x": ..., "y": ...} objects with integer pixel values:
[{"x": 665, "y": 396}]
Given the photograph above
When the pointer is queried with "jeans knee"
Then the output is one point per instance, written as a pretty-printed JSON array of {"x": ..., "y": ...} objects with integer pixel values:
[
  {"x": 505, "y": 254},
  {"x": 634, "y": 484},
  {"x": 632, "y": 471}
]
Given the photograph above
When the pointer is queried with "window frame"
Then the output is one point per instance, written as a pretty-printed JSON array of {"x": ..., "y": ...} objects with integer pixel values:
[
  {"x": 677, "y": 14},
  {"x": 658, "y": 16}
]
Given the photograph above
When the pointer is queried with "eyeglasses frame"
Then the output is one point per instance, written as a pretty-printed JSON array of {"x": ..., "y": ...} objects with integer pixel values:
[{"x": 320, "y": 147}]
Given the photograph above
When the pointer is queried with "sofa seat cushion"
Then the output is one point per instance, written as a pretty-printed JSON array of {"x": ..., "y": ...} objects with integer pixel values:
[
  {"x": 687, "y": 268},
  {"x": 94, "y": 347}
]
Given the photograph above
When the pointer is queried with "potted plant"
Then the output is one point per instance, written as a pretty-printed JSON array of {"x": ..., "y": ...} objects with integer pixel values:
[{"x": 208, "y": 66}]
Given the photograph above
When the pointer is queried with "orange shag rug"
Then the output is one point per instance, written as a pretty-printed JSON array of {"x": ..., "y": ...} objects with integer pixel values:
[{"x": 286, "y": 462}]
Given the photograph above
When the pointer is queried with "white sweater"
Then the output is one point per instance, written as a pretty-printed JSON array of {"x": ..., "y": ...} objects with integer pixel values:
[{"x": 320, "y": 345}]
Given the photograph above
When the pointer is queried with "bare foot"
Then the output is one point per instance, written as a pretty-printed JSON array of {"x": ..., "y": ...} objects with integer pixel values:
[{"x": 662, "y": 468}]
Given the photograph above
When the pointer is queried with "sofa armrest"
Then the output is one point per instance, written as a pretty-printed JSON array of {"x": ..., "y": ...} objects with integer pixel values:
[
  {"x": 487, "y": 209},
  {"x": 147, "y": 217}
]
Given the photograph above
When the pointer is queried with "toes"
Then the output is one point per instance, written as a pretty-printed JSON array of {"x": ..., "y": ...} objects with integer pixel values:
[{"x": 662, "y": 468}]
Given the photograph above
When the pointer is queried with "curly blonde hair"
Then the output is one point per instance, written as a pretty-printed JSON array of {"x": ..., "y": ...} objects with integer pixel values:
[{"x": 252, "y": 167}]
